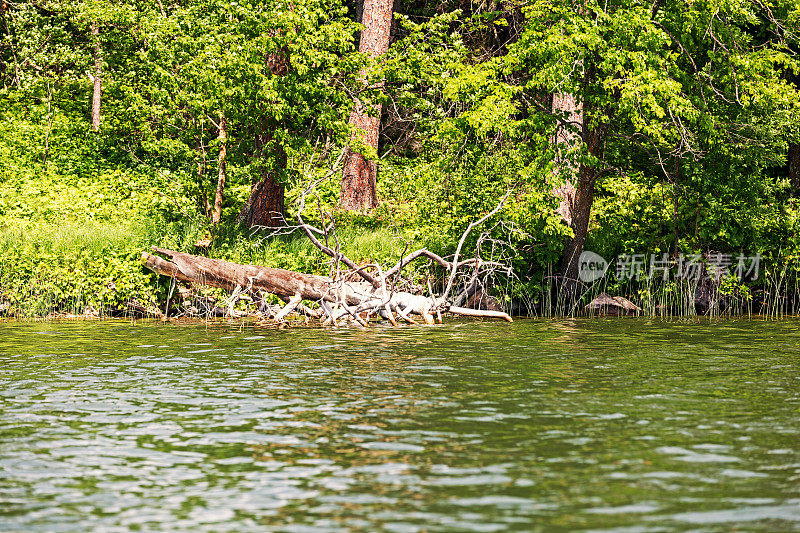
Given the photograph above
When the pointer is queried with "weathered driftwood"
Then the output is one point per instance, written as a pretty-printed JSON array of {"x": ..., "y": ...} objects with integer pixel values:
[
  {"x": 338, "y": 297},
  {"x": 357, "y": 300},
  {"x": 226, "y": 275}
]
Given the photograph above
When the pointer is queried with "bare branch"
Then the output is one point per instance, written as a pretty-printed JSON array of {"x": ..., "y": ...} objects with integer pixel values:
[{"x": 461, "y": 241}]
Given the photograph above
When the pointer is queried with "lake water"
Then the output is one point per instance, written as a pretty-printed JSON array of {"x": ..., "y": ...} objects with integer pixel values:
[{"x": 626, "y": 425}]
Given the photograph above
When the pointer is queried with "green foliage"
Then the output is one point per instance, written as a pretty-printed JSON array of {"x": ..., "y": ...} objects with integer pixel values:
[
  {"x": 75, "y": 268},
  {"x": 699, "y": 101},
  {"x": 439, "y": 198}
]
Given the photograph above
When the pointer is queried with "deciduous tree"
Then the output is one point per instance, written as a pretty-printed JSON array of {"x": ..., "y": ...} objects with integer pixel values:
[{"x": 687, "y": 85}]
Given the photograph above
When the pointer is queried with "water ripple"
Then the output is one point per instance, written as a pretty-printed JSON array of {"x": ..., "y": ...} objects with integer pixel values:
[{"x": 575, "y": 425}]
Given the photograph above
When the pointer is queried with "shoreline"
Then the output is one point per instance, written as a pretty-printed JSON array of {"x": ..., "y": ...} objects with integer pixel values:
[{"x": 315, "y": 324}]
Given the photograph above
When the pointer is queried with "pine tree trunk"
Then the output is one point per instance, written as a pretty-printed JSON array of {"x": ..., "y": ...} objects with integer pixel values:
[
  {"x": 359, "y": 178},
  {"x": 98, "y": 73},
  {"x": 223, "y": 152},
  {"x": 265, "y": 206}
]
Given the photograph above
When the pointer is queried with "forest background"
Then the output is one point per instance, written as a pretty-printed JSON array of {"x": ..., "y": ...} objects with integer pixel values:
[{"x": 623, "y": 127}]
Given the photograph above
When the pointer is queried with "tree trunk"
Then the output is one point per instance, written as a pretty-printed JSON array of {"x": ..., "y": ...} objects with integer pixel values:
[
  {"x": 201, "y": 172},
  {"x": 265, "y": 205},
  {"x": 569, "y": 113},
  {"x": 295, "y": 286},
  {"x": 97, "y": 79},
  {"x": 579, "y": 207},
  {"x": 582, "y": 204},
  {"x": 226, "y": 275},
  {"x": 580, "y": 211},
  {"x": 223, "y": 151},
  {"x": 359, "y": 178},
  {"x": 794, "y": 165},
  {"x": 794, "y": 150}
]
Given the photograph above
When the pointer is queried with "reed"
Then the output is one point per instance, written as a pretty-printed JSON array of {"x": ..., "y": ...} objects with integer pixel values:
[{"x": 776, "y": 294}]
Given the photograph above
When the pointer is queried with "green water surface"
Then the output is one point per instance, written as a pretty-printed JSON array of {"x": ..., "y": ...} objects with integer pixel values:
[{"x": 621, "y": 425}]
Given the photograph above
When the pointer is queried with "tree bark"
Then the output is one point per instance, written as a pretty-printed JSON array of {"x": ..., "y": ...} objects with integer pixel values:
[
  {"x": 265, "y": 205},
  {"x": 97, "y": 79},
  {"x": 223, "y": 151},
  {"x": 359, "y": 178},
  {"x": 569, "y": 113},
  {"x": 582, "y": 204},
  {"x": 794, "y": 165}
]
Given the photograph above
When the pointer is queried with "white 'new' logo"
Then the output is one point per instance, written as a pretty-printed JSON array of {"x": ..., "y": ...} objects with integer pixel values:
[{"x": 591, "y": 267}]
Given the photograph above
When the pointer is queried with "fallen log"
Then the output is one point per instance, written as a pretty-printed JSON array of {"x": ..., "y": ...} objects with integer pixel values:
[
  {"x": 200, "y": 270},
  {"x": 484, "y": 313},
  {"x": 338, "y": 299}
]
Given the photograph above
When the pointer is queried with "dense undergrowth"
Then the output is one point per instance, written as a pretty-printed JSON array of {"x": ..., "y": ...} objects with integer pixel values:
[{"x": 71, "y": 242}]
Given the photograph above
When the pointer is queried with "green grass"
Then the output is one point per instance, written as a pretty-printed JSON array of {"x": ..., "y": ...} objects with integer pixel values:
[
  {"x": 296, "y": 252},
  {"x": 94, "y": 267},
  {"x": 63, "y": 237}
]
